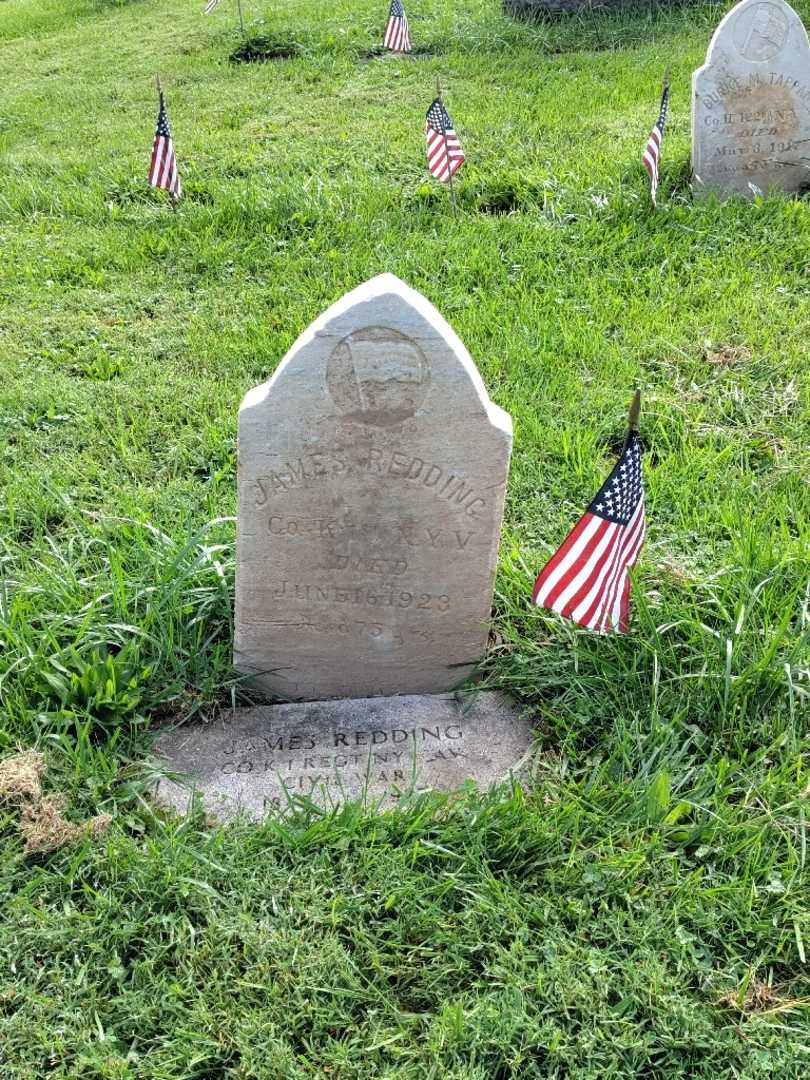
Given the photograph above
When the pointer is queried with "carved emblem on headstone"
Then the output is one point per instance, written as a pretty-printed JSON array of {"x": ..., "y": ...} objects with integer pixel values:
[
  {"x": 760, "y": 32},
  {"x": 378, "y": 376}
]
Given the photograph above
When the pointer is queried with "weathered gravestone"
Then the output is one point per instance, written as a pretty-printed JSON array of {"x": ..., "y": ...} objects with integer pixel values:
[
  {"x": 377, "y": 749},
  {"x": 751, "y": 103},
  {"x": 372, "y": 474}
]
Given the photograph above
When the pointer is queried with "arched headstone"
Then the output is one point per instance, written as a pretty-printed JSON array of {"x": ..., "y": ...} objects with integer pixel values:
[
  {"x": 372, "y": 475},
  {"x": 751, "y": 103}
]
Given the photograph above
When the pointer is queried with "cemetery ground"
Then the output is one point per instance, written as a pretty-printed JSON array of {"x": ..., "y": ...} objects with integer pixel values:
[{"x": 641, "y": 909}]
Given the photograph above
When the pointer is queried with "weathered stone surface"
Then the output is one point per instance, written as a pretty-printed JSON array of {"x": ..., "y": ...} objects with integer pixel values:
[
  {"x": 372, "y": 474},
  {"x": 378, "y": 749},
  {"x": 751, "y": 103}
]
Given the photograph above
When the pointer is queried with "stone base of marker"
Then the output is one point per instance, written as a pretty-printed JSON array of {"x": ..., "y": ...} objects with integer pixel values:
[{"x": 376, "y": 749}]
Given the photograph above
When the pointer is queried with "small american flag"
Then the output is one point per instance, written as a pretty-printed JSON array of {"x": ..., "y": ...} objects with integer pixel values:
[
  {"x": 588, "y": 579},
  {"x": 163, "y": 167},
  {"x": 397, "y": 34},
  {"x": 444, "y": 154},
  {"x": 652, "y": 151},
  {"x": 209, "y": 7}
]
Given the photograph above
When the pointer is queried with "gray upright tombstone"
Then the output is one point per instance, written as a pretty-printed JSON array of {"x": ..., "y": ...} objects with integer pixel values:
[
  {"x": 751, "y": 103},
  {"x": 372, "y": 474}
]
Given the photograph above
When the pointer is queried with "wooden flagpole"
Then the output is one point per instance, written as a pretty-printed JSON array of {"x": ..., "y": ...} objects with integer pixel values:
[
  {"x": 633, "y": 418},
  {"x": 447, "y": 151}
]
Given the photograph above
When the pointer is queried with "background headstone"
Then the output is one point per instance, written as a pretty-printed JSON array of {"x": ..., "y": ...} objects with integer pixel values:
[
  {"x": 751, "y": 103},
  {"x": 377, "y": 749},
  {"x": 372, "y": 475}
]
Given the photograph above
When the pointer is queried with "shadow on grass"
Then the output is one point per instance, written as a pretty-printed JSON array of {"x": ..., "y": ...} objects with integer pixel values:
[
  {"x": 677, "y": 176},
  {"x": 534, "y": 11},
  {"x": 593, "y": 28},
  {"x": 263, "y": 47},
  {"x": 379, "y": 52}
]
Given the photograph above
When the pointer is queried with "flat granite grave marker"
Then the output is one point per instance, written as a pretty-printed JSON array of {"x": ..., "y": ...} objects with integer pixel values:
[
  {"x": 377, "y": 749},
  {"x": 751, "y": 103},
  {"x": 372, "y": 475}
]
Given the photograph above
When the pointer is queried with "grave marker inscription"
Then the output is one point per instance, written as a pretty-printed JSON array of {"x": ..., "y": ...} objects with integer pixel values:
[
  {"x": 751, "y": 103},
  {"x": 372, "y": 475},
  {"x": 377, "y": 749}
]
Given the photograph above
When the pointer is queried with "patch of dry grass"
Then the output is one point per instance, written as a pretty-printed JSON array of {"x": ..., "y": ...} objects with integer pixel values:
[
  {"x": 20, "y": 778},
  {"x": 725, "y": 355},
  {"x": 42, "y": 823}
]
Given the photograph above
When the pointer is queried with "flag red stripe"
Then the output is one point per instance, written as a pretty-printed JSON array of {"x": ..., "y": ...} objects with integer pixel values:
[
  {"x": 579, "y": 566},
  {"x": 152, "y": 165},
  {"x": 624, "y": 606},
  {"x": 436, "y": 145},
  {"x": 582, "y": 586},
  {"x": 163, "y": 166},
  {"x": 397, "y": 37},
  {"x": 596, "y": 601},
  {"x": 650, "y": 159},
  {"x": 555, "y": 567},
  {"x": 593, "y": 587},
  {"x": 595, "y": 583},
  {"x": 631, "y": 548},
  {"x": 596, "y": 620},
  {"x": 603, "y": 620},
  {"x": 443, "y": 160},
  {"x": 621, "y": 605},
  {"x": 590, "y": 604}
]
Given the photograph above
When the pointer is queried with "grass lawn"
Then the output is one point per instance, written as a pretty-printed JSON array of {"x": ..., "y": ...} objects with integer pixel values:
[{"x": 644, "y": 910}]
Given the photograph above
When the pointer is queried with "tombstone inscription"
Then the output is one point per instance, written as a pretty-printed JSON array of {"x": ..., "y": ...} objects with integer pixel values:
[
  {"x": 751, "y": 103},
  {"x": 378, "y": 749},
  {"x": 372, "y": 475}
]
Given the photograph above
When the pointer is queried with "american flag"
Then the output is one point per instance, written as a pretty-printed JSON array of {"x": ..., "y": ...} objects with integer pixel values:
[
  {"x": 444, "y": 154},
  {"x": 588, "y": 579},
  {"x": 163, "y": 167},
  {"x": 652, "y": 151},
  {"x": 397, "y": 34},
  {"x": 209, "y": 7}
]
